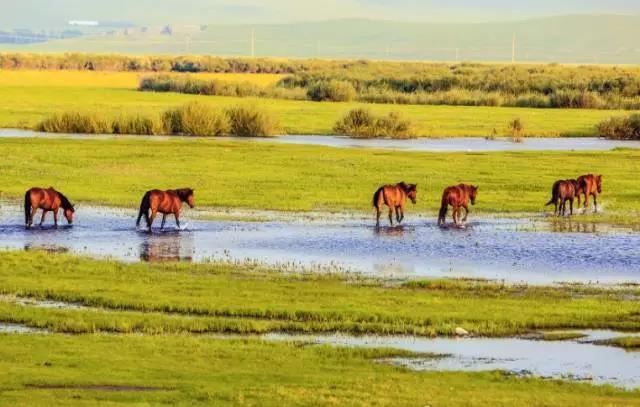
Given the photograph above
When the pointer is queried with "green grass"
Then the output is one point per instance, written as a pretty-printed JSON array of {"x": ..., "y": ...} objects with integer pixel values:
[
  {"x": 206, "y": 371},
  {"x": 247, "y": 174},
  {"x": 22, "y": 105},
  {"x": 631, "y": 343},
  {"x": 561, "y": 336},
  {"x": 171, "y": 298}
]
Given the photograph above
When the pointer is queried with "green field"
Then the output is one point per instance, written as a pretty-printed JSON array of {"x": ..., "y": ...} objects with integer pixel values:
[
  {"x": 246, "y": 174},
  {"x": 25, "y": 100},
  {"x": 166, "y": 302}
]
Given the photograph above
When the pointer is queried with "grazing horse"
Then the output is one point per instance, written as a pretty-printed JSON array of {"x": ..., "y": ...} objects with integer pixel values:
[
  {"x": 563, "y": 191},
  {"x": 395, "y": 197},
  {"x": 457, "y": 196},
  {"x": 165, "y": 202},
  {"x": 591, "y": 186},
  {"x": 49, "y": 200}
]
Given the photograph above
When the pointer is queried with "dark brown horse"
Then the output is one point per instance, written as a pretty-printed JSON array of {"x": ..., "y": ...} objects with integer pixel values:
[
  {"x": 49, "y": 200},
  {"x": 164, "y": 202},
  {"x": 395, "y": 197},
  {"x": 564, "y": 191},
  {"x": 591, "y": 186},
  {"x": 457, "y": 196}
]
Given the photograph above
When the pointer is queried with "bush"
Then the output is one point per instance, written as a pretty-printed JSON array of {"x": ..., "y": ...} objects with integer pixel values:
[
  {"x": 333, "y": 91},
  {"x": 74, "y": 122},
  {"x": 135, "y": 125},
  {"x": 195, "y": 119},
  {"x": 249, "y": 121},
  {"x": 360, "y": 123},
  {"x": 621, "y": 128}
]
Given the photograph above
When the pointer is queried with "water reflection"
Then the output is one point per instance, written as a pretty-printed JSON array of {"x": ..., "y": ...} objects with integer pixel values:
[
  {"x": 167, "y": 247},
  {"x": 573, "y": 226}
]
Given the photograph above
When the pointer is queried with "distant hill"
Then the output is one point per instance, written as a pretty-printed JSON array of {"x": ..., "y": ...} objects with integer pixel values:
[{"x": 605, "y": 39}]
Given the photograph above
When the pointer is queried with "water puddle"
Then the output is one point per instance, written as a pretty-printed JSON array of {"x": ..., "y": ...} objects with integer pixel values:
[
  {"x": 47, "y": 304},
  {"x": 18, "y": 329},
  {"x": 455, "y": 144},
  {"x": 513, "y": 250},
  {"x": 573, "y": 360}
]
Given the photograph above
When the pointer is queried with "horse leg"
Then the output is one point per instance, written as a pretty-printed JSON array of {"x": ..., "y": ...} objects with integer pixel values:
[
  {"x": 33, "y": 215},
  {"x": 595, "y": 203},
  {"x": 466, "y": 213},
  {"x": 44, "y": 214},
  {"x": 154, "y": 212},
  {"x": 55, "y": 218},
  {"x": 177, "y": 215},
  {"x": 164, "y": 218},
  {"x": 571, "y": 206},
  {"x": 401, "y": 213},
  {"x": 391, "y": 215},
  {"x": 378, "y": 213},
  {"x": 398, "y": 218},
  {"x": 456, "y": 215}
]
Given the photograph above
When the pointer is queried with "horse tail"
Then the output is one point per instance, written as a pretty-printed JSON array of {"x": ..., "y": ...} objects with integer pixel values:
[
  {"x": 144, "y": 208},
  {"x": 376, "y": 198},
  {"x": 27, "y": 207},
  {"x": 554, "y": 195},
  {"x": 444, "y": 206}
]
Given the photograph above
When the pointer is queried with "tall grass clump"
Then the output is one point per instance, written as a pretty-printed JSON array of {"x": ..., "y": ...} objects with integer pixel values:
[
  {"x": 621, "y": 128},
  {"x": 516, "y": 128},
  {"x": 361, "y": 123},
  {"x": 135, "y": 124},
  {"x": 75, "y": 122},
  {"x": 195, "y": 119},
  {"x": 250, "y": 121},
  {"x": 332, "y": 91}
]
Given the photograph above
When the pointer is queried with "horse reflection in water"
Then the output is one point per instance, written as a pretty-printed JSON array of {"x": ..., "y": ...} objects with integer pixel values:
[
  {"x": 169, "y": 247},
  {"x": 392, "y": 231},
  {"x": 569, "y": 226}
]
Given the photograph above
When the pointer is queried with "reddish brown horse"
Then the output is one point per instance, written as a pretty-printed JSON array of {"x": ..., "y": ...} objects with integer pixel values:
[
  {"x": 457, "y": 196},
  {"x": 49, "y": 200},
  {"x": 395, "y": 197},
  {"x": 591, "y": 186},
  {"x": 164, "y": 202},
  {"x": 564, "y": 191}
]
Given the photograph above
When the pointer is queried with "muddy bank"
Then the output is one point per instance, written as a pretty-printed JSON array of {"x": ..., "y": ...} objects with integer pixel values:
[
  {"x": 454, "y": 144},
  {"x": 514, "y": 250},
  {"x": 577, "y": 360}
]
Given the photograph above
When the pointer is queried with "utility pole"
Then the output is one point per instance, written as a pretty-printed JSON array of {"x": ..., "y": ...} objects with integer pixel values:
[
  {"x": 253, "y": 43},
  {"x": 513, "y": 49}
]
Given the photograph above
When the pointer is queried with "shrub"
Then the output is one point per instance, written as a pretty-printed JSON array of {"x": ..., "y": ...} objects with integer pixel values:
[
  {"x": 195, "y": 119},
  {"x": 136, "y": 124},
  {"x": 621, "y": 128},
  {"x": 357, "y": 123},
  {"x": 333, "y": 91},
  {"x": 75, "y": 122},
  {"x": 360, "y": 123},
  {"x": 250, "y": 121},
  {"x": 516, "y": 128}
]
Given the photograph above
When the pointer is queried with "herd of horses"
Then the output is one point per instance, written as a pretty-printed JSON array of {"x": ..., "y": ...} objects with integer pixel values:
[{"x": 395, "y": 197}]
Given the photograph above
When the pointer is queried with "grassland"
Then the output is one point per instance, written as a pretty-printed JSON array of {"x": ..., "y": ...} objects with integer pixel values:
[
  {"x": 263, "y": 175},
  {"x": 55, "y": 369},
  {"x": 26, "y": 97},
  {"x": 210, "y": 298},
  {"x": 176, "y": 300}
]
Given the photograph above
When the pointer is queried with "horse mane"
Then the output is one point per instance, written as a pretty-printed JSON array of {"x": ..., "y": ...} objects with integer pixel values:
[
  {"x": 406, "y": 187},
  {"x": 184, "y": 193},
  {"x": 66, "y": 204}
]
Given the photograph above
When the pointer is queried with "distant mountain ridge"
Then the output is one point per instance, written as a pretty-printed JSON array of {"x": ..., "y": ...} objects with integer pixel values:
[{"x": 605, "y": 39}]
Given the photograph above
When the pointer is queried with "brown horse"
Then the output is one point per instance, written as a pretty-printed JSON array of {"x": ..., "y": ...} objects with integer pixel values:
[
  {"x": 457, "y": 196},
  {"x": 165, "y": 202},
  {"x": 591, "y": 186},
  {"x": 395, "y": 197},
  {"x": 563, "y": 191},
  {"x": 49, "y": 200}
]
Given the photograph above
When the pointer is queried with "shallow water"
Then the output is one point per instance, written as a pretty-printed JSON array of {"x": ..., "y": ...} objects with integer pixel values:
[
  {"x": 499, "y": 249},
  {"x": 18, "y": 329},
  {"x": 422, "y": 144},
  {"x": 575, "y": 359}
]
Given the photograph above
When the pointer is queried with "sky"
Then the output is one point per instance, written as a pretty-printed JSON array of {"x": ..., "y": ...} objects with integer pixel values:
[{"x": 48, "y": 13}]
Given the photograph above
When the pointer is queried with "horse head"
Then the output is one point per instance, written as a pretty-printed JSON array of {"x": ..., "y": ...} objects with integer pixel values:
[
  {"x": 599, "y": 183},
  {"x": 412, "y": 191},
  {"x": 186, "y": 195},
  {"x": 473, "y": 193}
]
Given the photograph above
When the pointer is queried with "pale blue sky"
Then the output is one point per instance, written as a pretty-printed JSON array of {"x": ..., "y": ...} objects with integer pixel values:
[{"x": 55, "y": 12}]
